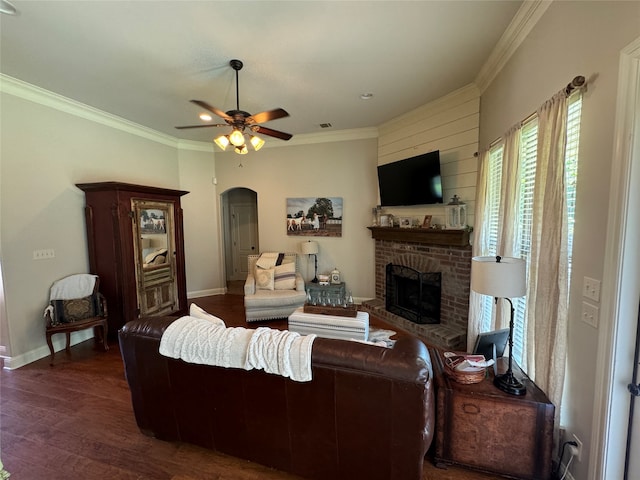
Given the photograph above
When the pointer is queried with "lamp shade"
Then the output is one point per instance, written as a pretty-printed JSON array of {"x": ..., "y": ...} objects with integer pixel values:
[
  {"x": 222, "y": 141},
  {"x": 309, "y": 248},
  {"x": 236, "y": 138},
  {"x": 257, "y": 142},
  {"x": 241, "y": 150},
  {"x": 501, "y": 277}
]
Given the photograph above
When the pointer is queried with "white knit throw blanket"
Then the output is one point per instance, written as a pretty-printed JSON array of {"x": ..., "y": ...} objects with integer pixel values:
[
  {"x": 281, "y": 352},
  {"x": 195, "y": 340}
]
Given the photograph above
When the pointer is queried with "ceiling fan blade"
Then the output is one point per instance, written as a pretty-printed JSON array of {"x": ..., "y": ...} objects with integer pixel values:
[
  {"x": 267, "y": 116},
  {"x": 272, "y": 133},
  {"x": 202, "y": 126},
  {"x": 215, "y": 110}
]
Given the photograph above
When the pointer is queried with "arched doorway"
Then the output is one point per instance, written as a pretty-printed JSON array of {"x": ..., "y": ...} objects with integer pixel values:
[{"x": 240, "y": 224}]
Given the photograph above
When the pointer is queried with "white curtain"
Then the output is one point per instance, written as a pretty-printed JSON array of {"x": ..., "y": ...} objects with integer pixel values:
[
  {"x": 507, "y": 223},
  {"x": 508, "y": 217},
  {"x": 480, "y": 247},
  {"x": 509, "y": 197},
  {"x": 547, "y": 295},
  {"x": 547, "y": 289}
]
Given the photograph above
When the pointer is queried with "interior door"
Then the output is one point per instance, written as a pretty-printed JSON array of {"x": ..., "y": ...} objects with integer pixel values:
[
  {"x": 244, "y": 237},
  {"x": 154, "y": 247}
]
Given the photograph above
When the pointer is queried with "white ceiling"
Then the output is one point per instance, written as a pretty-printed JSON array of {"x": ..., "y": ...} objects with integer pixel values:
[{"x": 144, "y": 60}]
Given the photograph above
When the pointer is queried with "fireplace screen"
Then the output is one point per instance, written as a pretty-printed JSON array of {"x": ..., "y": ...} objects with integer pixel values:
[{"x": 412, "y": 294}]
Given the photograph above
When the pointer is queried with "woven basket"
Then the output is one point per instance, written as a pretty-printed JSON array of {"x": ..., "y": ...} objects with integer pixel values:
[{"x": 464, "y": 377}]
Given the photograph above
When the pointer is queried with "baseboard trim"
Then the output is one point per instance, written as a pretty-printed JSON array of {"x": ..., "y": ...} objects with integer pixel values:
[
  {"x": 59, "y": 343},
  {"x": 206, "y": 293}
]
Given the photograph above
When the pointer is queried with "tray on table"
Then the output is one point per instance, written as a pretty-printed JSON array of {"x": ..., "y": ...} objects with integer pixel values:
[{"x": 348, "y": 311}]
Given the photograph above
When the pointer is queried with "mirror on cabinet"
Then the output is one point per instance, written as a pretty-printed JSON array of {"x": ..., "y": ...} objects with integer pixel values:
[{"x": 154, "y": 245}]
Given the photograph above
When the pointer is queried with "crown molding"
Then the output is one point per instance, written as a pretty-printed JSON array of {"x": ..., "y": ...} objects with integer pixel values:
[
  {"x": 194, "y": 146},
  {"x": 32, "y": 93},
  {"x": 523, "y": 22},
  {"x": 322, "y": 137},
  {"x": 327, "y": 137},
  {"x": 26, "y": 91}
]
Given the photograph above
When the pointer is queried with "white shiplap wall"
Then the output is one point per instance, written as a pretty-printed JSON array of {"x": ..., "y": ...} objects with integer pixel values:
[{"x": 449, "y": 124}]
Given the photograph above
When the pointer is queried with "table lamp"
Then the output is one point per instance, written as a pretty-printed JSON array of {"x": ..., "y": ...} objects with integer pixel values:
[
  {"x": 311, "y": 248},
  {"x": 501, "y": 277}
]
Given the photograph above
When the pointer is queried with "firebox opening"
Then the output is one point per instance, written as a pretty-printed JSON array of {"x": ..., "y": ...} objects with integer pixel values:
[{"x": 412, "y": 294}]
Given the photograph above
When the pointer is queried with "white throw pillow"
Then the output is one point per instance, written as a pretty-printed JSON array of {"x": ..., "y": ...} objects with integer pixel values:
[
  {"x": 285, "y": 276},
  {"x": 267, "y": 260},
  {"x": 264, "y": 278}
]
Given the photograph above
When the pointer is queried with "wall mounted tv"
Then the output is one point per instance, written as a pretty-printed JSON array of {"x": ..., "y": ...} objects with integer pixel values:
[{"x": 412, "y": 181}]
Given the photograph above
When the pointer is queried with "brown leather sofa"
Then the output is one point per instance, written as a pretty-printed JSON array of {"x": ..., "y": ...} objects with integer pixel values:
[{"x": 369, "y": 411}]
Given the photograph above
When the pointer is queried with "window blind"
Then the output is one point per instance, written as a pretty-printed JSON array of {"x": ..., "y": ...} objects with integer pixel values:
[
  {"x": 493, "y": 209},
  {"x": 574, "y": 112}
]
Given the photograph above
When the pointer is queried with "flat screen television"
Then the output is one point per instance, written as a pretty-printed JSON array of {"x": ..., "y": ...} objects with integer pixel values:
[{"x": 412, "y": 181}]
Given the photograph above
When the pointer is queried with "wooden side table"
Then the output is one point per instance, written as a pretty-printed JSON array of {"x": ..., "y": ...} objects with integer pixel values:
[{"x": 481, "y": 427}]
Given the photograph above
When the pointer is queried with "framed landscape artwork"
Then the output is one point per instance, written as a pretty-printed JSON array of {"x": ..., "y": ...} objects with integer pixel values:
[
  {"x": 314, "y": 216},
  {"x": 152, "y": 220}
]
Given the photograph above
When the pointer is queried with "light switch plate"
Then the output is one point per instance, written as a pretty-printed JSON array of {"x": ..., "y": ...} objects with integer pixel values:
[
  {"x": 43, "y": 254},
  {"x": 590, "y": 314},
  {"x": 591, "y": 289}
]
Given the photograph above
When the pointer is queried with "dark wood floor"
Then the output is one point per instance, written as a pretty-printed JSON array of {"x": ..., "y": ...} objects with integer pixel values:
[{"x": 75, "y": 421}]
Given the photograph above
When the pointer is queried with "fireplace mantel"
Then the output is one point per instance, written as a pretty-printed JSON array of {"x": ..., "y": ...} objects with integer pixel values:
[{"x": 429, "y": 236}]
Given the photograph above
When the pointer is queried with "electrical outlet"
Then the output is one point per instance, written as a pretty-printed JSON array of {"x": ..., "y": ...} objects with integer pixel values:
[
  {"x": 590, "y": 314},
  {"x": 591, "y": 289},
  {"x": 578, "y": 447}
]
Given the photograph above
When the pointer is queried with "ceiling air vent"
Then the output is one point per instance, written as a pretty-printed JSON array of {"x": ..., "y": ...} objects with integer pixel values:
[{"x": 325, "y": 125}]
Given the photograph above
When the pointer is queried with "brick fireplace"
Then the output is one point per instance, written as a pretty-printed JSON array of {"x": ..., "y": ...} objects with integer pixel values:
[{"x": 445, "y": 251}]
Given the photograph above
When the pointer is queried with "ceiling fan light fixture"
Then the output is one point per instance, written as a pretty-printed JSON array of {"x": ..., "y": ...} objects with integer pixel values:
[
  {"x": 239, "y": 121},
  {"x": 236, "y": 138},
  {"x": 222, "y": 141},
  {"x": 257, "y": 142}
]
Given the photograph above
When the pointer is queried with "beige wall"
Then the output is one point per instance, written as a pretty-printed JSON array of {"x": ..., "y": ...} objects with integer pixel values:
[
  {"x": 344, "y": 169},
  {"x": 573, "y": 38},
  {"x": 44, "y": 153},
  {"x": 202, "y": 240}
]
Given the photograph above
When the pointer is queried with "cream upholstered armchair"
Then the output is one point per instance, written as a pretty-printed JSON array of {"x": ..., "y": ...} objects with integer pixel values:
[{"x": 274, "y": 288}]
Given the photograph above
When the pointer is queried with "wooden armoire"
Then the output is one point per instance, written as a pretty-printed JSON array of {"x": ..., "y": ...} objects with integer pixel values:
[{"x": 136, "y": 246}]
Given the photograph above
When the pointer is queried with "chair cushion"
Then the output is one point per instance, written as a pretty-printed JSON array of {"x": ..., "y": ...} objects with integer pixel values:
[
  {"x": 68, "y": 311},
  {"x": 277, "y": 298}
]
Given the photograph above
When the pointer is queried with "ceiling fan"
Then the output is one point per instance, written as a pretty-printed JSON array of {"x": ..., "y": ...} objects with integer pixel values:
[{"x": 240, "y": 121}]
